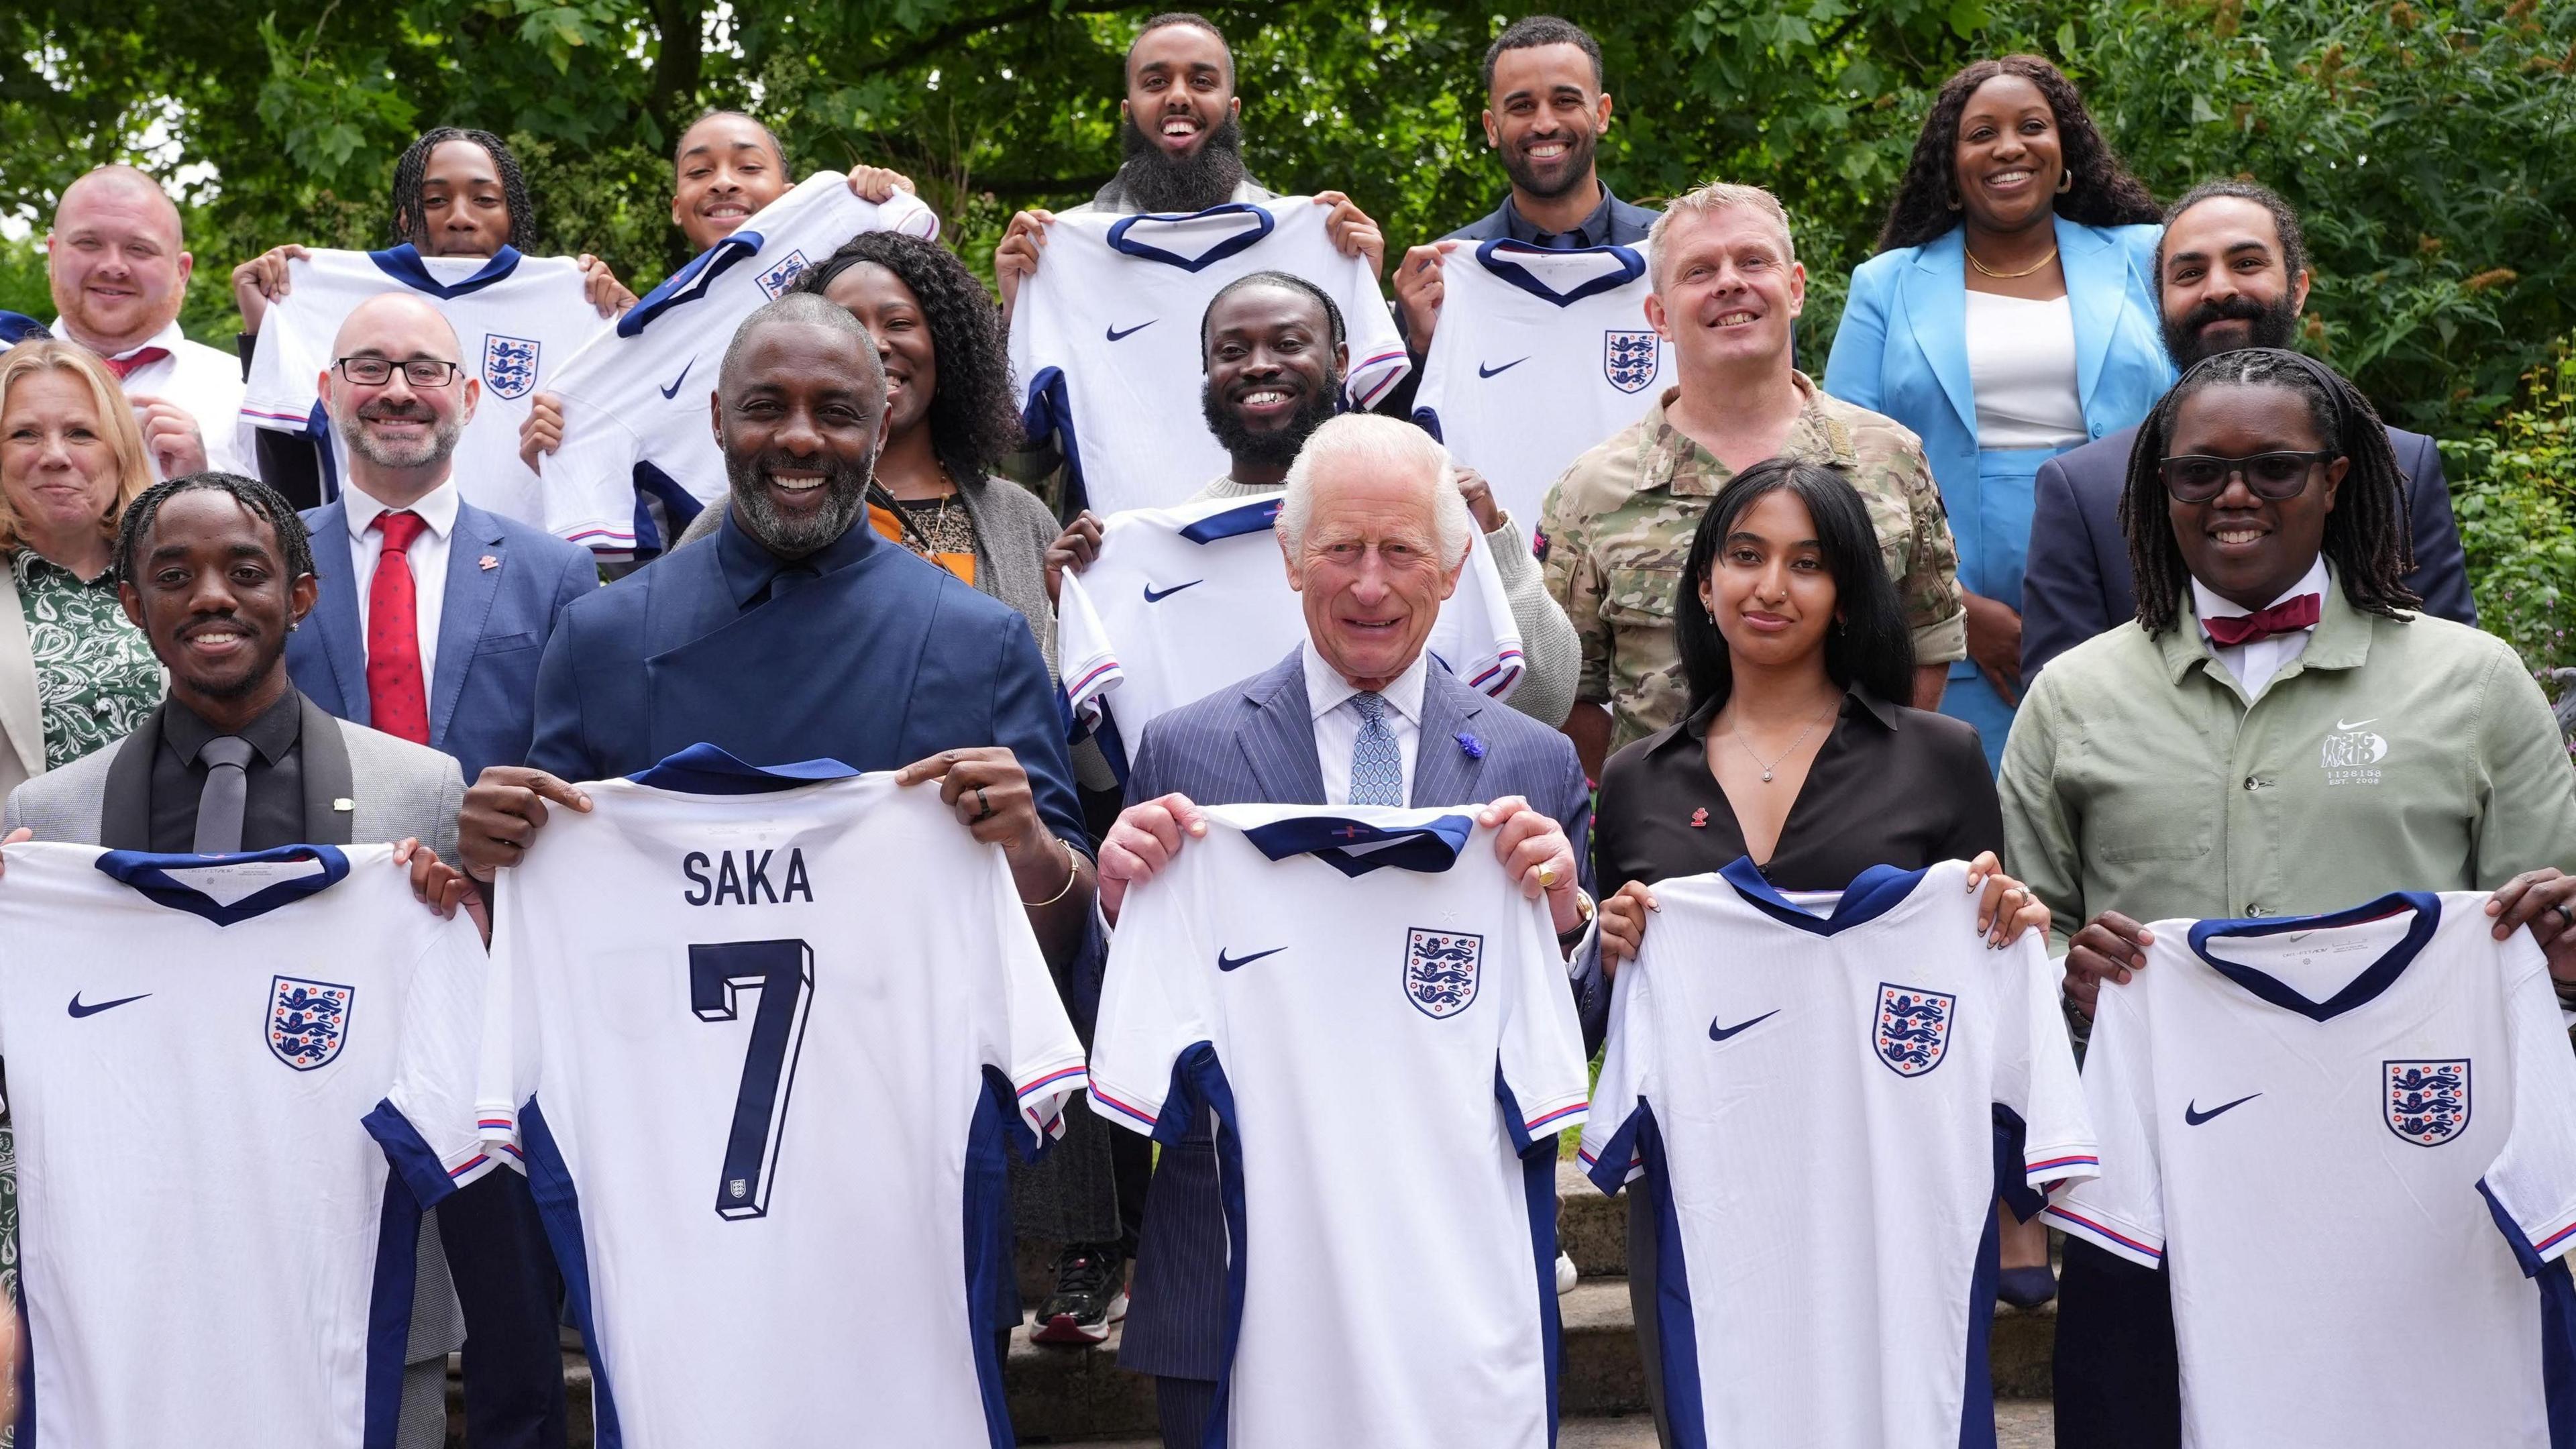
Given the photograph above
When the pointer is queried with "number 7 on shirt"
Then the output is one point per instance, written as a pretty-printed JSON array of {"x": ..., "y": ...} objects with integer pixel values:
[{"x": 783, "y": 973}]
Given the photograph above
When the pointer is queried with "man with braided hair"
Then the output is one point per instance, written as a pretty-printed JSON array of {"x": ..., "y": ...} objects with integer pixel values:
[{"x": 2281, "y": 733}]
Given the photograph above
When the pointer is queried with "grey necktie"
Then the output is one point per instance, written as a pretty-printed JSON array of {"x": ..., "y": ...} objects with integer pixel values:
[{"x": 227, "y": 790}]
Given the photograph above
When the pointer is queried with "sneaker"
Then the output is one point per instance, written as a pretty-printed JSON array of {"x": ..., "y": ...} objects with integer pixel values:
[
  {"x": 1090, "y": 1294},
  {"x": 1566, "y": 1277}
]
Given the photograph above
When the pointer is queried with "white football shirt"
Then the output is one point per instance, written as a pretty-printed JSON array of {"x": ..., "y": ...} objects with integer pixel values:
[
  {"x": 517, "y": 318},
  {"x": 1538, "y": 357},
  {"x": 760, "y": 1036},
  {"x": 1105, "y": 337},
  {"x": 214, "y": 1249},
  {"x": 1819, "y": 1108},
  {"x": 635, "y": 424},
  {"x": 1183, "y": 601},
  {"x": 1387, "y": 1124},
  {"x": 2355, "y": 1135}
]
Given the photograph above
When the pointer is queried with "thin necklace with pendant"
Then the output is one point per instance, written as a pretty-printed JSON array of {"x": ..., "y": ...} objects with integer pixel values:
[{"x": 1774, "y": 764}]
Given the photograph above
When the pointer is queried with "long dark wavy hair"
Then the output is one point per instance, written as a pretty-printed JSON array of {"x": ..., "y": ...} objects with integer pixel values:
[
  {"x": 411, "y": 221},
  {"x": 2370, "y": 535},
  {"x": 1870, "y": 646},
  {"x": 973, "y": 423},
  {"x": 2104, "y": 193}
]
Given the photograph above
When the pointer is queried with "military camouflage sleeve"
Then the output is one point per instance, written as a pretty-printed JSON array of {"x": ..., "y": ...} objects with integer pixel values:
[
  {"x": 1929, "y": 591},
  {"x": 1574, "y": 581}
]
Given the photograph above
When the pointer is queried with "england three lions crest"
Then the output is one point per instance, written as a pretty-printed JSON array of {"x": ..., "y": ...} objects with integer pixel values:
[
  {"x": 1913, "y": 1028},
  {"x": 781, "y": 275},
  {"x": 2427, "y": 1103},
  {"x": 509, "y": 366},
  {"x": 307, "y": 1021},
  {"x": 1630, "y": 359},
  {"x": 1440, "y": 970}
]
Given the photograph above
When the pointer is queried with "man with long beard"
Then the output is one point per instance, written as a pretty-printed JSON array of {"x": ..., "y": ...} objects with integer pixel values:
[{"x": 1184, "y": 150}]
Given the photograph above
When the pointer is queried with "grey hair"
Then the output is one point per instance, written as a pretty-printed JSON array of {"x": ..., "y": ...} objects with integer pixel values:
[
  {"x": 807, "y": 308},
  {"x": 1710, "y": 199},
  {"x": 1380, "y": 444}
]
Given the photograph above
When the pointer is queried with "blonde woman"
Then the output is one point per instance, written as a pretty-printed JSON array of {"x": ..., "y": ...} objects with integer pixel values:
[{"x": 74, "y": 675}]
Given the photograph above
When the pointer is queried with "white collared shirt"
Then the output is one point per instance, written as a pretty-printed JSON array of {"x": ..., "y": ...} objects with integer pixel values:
[
  {"x": 1338, "y": 721},
  {"x": 2255, "y": 664},
  {"x": 428, "y": 556},
  {"x": 204, "y": 382}
]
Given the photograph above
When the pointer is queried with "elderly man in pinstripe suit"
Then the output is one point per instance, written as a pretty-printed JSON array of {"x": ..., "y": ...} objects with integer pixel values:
[{"x": 1374, "y": 533}]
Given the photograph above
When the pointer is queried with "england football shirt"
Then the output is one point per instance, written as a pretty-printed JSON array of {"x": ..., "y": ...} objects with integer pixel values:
[
  {"x": 1105, "y": 337},
  {"x": 518, "y": 320},
  {"x": 1183, "y": 601},
  {"x": 212, "y": 1247},
  {"x": 1538, "y": 357},
  {"x": 2352, "y": 1138},
  {"x": 760, "y": 1036},
  {"x": 1380, "y": 1022},
  {"x": 636, "y": 436},
  {"x": 1820, "y": 1106}
]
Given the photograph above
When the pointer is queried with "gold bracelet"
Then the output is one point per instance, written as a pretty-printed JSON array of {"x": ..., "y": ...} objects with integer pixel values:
[{"x": 1072, "y": 872}]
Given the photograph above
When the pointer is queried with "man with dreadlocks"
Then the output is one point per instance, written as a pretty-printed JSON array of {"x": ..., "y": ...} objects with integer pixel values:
[{"x": 2281, "y": 734}]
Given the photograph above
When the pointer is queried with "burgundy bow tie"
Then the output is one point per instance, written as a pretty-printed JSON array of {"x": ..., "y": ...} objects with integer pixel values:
[{"x": 2286, "y": 617}]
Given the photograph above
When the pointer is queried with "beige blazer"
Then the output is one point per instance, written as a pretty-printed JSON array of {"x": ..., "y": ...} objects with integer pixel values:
[{"x": 22, "y": 723}]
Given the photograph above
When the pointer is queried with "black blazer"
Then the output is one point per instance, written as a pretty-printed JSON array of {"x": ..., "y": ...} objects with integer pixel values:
[{"x": 2078, "y": 583}]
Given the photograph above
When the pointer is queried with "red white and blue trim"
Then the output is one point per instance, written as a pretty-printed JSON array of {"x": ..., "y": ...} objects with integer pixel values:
[
  {"x": 1143, "y": 1119},
  {"x": 1045, "y": 1114},
  {"x": 2108, "y": 1239}
]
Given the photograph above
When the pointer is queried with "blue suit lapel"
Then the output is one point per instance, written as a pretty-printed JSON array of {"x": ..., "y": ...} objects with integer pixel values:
[
  {"x": 336, "y": 612},
  {"x": 468, "y": 603},
  {"x": 1443, "y": 772},
  {"x": 1279, "y": 741},
  {"x": 2097, "y": 284},
  {"x": 1936, "y": 306}
]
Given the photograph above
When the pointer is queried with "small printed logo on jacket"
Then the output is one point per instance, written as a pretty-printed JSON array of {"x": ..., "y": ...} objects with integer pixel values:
[
  {"x": 2427, "y": 1102},
  {"x": 1440, "y": 970},
  {"x": 2351, "y": 754},
  {"x": 307, "y": 1021},
  {"x": 1630, "y": 359},
  {"x": 1913, "y": 1028},
  {"x": 781, "y": 275},
  {"x": 509, "y": 366}
]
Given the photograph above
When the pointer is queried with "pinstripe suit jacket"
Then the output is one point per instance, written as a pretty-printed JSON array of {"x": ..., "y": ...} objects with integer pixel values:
[{"x": 1254, "y": 743}]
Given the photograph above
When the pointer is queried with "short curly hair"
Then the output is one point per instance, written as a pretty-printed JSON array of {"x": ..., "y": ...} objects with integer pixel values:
[
  {"x": 294, "y": 541},
  {"x": 2104, "y": 193},
  {"x": 973, "y": 422}
]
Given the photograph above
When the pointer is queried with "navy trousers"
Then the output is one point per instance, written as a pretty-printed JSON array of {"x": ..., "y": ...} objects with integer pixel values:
[{"x": 507, "y": 1284}]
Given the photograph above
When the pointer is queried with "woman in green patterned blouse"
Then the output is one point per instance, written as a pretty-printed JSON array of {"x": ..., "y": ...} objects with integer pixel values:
[{"x": 75, "y": 676}]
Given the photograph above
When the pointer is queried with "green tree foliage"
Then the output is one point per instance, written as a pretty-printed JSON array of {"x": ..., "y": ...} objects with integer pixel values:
[
  {"x": 2514, "y": 491},
  {"x": 2428, "y": 144}
]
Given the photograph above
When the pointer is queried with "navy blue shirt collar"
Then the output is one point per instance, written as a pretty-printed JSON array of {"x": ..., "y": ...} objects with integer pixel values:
[
  {"x": 749, "y": 567},
  {"x": 1592, "y": 231}
]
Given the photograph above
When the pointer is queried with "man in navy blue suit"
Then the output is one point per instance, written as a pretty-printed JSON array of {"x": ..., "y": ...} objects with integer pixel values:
[
  {"x": 432, "y": 632},
  {"x": 2233, "y": 272},
  {"x": 1375, "y": 533}
]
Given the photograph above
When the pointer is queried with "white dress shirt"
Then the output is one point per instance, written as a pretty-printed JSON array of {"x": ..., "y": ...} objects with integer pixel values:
[
  {"x": 1338, "y": 722},
  {"x": 428, "y": 556},
  {"x": 203, "y": 382},
  {"x": 2254, "y": 664}
]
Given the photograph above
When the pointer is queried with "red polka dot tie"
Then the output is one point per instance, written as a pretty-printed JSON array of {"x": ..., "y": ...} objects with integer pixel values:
[{"x": 397, "y": 698}]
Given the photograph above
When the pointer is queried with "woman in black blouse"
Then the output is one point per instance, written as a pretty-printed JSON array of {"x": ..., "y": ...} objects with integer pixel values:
[{"x": 1794, "y": 752}]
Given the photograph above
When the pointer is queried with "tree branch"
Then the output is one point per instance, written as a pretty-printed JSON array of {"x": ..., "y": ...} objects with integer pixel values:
[{"x": 944, "y": 36}]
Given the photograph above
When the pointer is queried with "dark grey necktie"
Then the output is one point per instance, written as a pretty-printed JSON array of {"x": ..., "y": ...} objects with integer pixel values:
[{"x": 227, "y": 790}]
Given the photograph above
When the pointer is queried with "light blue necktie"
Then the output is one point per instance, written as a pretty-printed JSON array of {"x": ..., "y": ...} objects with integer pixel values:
[{"x": 1377, "y": 767}]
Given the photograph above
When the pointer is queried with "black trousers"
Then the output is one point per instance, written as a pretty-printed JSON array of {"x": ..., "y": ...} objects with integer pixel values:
[
  {"x": 507, "y": 1284},
  {"x": 2118, "y": 1382}
]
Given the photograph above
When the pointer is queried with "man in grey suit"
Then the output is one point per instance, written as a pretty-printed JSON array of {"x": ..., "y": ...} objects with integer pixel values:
[
  {"x": 1375, "y": 534},
  {"x": 216, "y": 569}
]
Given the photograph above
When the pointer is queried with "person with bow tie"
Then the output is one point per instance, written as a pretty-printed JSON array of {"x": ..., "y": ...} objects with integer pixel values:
[{"x": 2283, "y": 733}]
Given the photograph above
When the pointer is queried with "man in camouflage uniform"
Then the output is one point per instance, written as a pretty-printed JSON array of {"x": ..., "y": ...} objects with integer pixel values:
[{"x": 1618, "y": 525}]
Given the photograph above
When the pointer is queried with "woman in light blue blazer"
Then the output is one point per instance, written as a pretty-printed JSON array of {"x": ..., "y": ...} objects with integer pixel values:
[{"x": 2010, "y": 314}]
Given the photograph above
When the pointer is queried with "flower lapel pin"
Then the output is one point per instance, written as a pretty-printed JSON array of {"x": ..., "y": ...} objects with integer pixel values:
[{"x": 1474, "y": 747}]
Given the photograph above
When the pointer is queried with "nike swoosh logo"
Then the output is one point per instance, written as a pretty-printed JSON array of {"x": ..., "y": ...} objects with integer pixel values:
[
  {"x": 2192, "y": 1116},
  {"x": 1483, "y": 371},
  {"x": 2356, "y": 724},
  {"x": 1229, "y": 963},
  {"x": 96, "y": 1007},
  {"x": 1721, "y": 1033},
  {"x": 1155, "y": 596},
  {"x": 674, "y": 389},
  {"x": 1117, "y": 336}
]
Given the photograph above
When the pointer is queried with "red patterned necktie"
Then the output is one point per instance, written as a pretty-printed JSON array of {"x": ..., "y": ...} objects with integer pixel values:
[
  {"x": 2286, "y": 617},
  {"x": 141, "y": 357},
  {"x": 397, "y": 697}
]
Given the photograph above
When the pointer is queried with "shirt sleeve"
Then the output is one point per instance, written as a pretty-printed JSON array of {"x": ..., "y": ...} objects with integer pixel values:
[
  {"x": 1030, "y": 722},
  {"x": 1550, "y": 654},
  {"x": 1543, "y": 1073},
  {"x": 1086, "y": 657},
  {"x": 1934, "y": 607},
  {"x": 511, "y": 1052},
  {"x": 1153, "y": 1005},
  {"x": 428, "y": 1123},
  {"x": 1609, "y": 1151},
  {"x": 1379, "y": 359},
  {"x": 588, "y": 483},
  {"x": 2040, "y": 848},
  {"x": 1476, "y": 634},
  {"x": 2531, "y": 1185},
  {"x": 279, "y": 392},
  {"x": 1574, "y": 580},
  {"x": 2121, "y": 1211},
  {"x": 2035, "y": 1073},
  {"x": 1029, "y": 1037},
  {"x": 2526, "y": 793},
  {"x": 1042, "y": 355}
]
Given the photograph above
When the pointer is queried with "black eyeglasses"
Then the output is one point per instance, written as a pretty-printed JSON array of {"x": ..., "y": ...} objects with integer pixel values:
[
  {"x": 2200, "y": 477},
  {"x": 418, "y": 371}
]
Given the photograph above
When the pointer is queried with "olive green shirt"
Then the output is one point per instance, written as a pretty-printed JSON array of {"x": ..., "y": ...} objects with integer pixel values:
[
  {"x": 2415, "y": 755},
  {"x": 1616, "y": 528}
]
